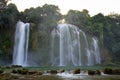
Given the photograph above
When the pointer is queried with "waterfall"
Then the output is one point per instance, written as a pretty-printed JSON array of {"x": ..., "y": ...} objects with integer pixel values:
[
  {"x": 89, "y": 62},
  {"x": 70, "y": 46},
  {"x": 21, "y": 44},
  {"x": 96, "y": 51}
]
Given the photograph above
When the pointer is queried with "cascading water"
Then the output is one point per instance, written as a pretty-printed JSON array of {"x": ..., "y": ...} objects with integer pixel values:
[
  {"x": 21, "y": 44},
  {"x": 96, "y": 51},
  {"x": 71, "y": 47}
]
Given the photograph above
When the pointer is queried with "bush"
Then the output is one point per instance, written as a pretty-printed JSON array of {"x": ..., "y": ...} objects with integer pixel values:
[
  {"x": 116, "y": 71},
  {"x": 91, "y": 72},
  {"x": 16, "y": 66},
  {"x": 98, "y": 72},
  {"x": 108, "y": 71},
  {"x": 32, "y": 72},
  {"x": 1, "y": 71},
  {"x": 24, "y": 71},
  {"x": 14, "y": 71},
  {"x": 61, "y": 71},
  {"x": 7, "y": 67},
  {"x": 53, "y": 71},
  {"x": 21, "y": 71},
  {"x": 40, "y": 73},
  {"x": 76, "y": 71}
]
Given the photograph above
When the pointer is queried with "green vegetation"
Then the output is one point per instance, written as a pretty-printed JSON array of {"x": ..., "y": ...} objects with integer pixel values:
[
  {"x": 93, "y": 72},
  {"x": 76, "y": 71},
  {"x": 53, "y": 71},
  {"x": 19, "y": 73},
  {"x": 113, "y": 77},
  {"x": 44, "y": 19},
  {"x": 8, "y": 76},
  {"x": 111, "y": 71}
]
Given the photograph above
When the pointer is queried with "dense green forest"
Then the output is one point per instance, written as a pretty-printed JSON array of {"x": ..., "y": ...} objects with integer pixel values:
[{"x": 44, "y": 19}]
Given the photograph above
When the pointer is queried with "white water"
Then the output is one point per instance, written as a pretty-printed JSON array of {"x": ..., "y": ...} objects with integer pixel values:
[
  {"x": 70, "y": 76},
  {"x": 70, "y": 46},
  {"x": 21, "y": 44},
  {"x": 96, "y": 51}
]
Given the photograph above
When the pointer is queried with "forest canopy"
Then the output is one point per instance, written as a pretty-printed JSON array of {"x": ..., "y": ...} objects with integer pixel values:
[{"x": 45, "y": 18}]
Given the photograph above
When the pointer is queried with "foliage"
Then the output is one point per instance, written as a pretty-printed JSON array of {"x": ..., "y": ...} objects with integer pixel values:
[
  {"x": 8, "y": 19},
  {"x": 108, "y": 71},
  {"x": 53, "y": 71},
  {"x": 78, "y": 18},
  {"x": 91, "y": 72},
  {"x": 76, "y": 71},
  {"x": 44, "y": 19},
  {"x": 98, "y": 72},
  {"x": 1, "y": 71}
]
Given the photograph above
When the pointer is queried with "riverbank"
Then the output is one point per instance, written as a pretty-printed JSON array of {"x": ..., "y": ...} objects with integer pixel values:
[{"x": 60, "y": 73}]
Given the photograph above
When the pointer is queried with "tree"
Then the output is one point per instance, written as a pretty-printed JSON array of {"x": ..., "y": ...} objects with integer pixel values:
[
  {"x": 98, "y": 24},
  {"x": 51, "y": 15},
  {"x": 3, "y": 4},
  {"x": 6, "y": 17},
  {"x": 80, "y": 19},
  {"x": 32, "y": 15},
  {"x": 112, "y": 33},
  {"x": 8, "y": 20}
]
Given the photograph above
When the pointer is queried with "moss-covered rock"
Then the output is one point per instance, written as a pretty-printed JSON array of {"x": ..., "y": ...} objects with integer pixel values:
[
  {"x": 108, "y": 71},
  {"x": 53, "y": 71},
  {"x": 116, "y": 71},
  {"x": 40, "y": 73},
  {"x": 97, "y": 72},
  {"x": 63, "y": 70},
  {"x": 91, "y": 72},
  {"x": 24, "y": 71},
  {"x": 14, "y": 71},
  {"x": 76, "y": 71},
  {"x": 16, "y": 66},
  {"x": 1, "y": 71}
]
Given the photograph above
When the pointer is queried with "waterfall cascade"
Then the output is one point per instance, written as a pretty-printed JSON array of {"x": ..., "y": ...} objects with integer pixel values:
[
  {"x": 21, "y": 44},
  {"x": 70, "y": 46}
]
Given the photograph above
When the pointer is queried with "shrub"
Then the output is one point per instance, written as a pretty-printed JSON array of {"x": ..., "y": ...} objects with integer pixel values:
[
  {"x": 35, "y": 72},
  {"x": 14, "y": 71},
  {"x": 7, "y": 67},
  {"x": 76, "y": 71},
  {"x": 24, "y": 71},
  {"x": 98, "y": 72},
  {"x": 91, "y": 72},
  {"x": 40, "y": 73},
  {"x": 1, "y": 71},
  {"x": 108, "y": 71},
  {"x": 19, "y": 71},
  {"x": 116, "y": 71},
  {"x": 16, "y": 66},
  {"x": 53, "y": 71},
  {"x": 48, "y": 71},
  {"x": 61, "y": 71}
]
